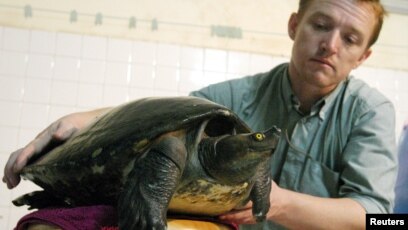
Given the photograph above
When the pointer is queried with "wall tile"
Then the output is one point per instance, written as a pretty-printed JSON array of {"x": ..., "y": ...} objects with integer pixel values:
[
  {"x": 43, "y": 42},
  {"x": 367, "y": 74},
  {"x": 403, "y": 99},
  {"x": 192, "y": 58},
  {"x": 402, "y": 80},
  {"x": 92, "y": 71},
  {"x": 1, "y": 36},
  {"x": 11, "y": 88},
  {"x": 238, "y": 62},
  {"x": 230, "y": 76},
  {"x": 16, "y": 213},
  {"x": 64, "y": 93},
  {"x": 69, "y": 44},
  {"x": 66, "y": 68},
  {"x": 190, "y": 80},
  {"x": 138, "y": 93},
  {"x": 167, "y": 78},
  {"x": 15, "y": 39},
  {"x": 13, "y": 63},
  {"x": 5, "y": 214},
  {"x": 168, "y": 55},
  {"x": 8, "y": 140},
  {"x": 119, "y": 50},
  {"x": 5, "y": 193},
  {"x": 215, "y": 60},
  {"x": 260, "y": 63},
  {"x": 37, "y": 90},
  {"x": 278, "y": 60},
  {"x": 24, "y": 187},
  {"x": 34, "y": 115},
  {"x": 387, "y": 78},
  {"x": 57, "y": 111},
  {"x": 117, "y": 73},
  {"x": 26, "y": 135},
  {"x": 213, "y": 77},
  {"x": 165, "y": 93},
  {"x": 142, "y": 76},
  {"x": 90, "y": 95},
  {"x": 115, "y": 95},
  {"x": 94, "y": 47},
  {"x": 5, "y": 198},
  {"x": 10, "y": 113},
  {"x": 144, "y": 52},
  {"x": 40, "y": 66}
]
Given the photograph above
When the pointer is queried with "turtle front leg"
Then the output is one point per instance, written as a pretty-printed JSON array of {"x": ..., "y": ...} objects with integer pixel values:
[
  {"x": 150, "y": 185},
  {"x": 260, "y": 193}
]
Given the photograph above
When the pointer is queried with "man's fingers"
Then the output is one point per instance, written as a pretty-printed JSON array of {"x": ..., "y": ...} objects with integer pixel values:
[
  {"x": 23, "y": 156},
  {"x": 246, "y": 206},
  {"x": 49, "y": 138},
  {"x": 64, "y": 133},
  {"x": 239, "y": 217},
  {"x": 10, "y": 177}
]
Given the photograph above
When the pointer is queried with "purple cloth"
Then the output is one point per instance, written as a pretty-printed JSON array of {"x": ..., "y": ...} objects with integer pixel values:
[
  {"x": 99, "y": 217},
  {"x": 78, "y": 218}
]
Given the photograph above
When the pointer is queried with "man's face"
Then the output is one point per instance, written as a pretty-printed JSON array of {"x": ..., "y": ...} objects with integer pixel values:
[{"x": 330, "y": 39}]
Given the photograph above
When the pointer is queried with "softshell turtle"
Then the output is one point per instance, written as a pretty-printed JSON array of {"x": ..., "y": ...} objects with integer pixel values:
[{"x": 182, "y": 155}]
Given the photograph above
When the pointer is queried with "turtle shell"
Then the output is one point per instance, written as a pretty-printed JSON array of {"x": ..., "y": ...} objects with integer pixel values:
[{"x": 92, "y": 166}]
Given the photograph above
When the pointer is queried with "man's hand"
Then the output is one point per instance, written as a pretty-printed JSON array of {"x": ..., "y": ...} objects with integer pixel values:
[
  {"x": 53, "y": 135},
  {"x": 240, "y": 216},
  {"x": 57, "y": 132},
  {"x": 244, "y": 215}
]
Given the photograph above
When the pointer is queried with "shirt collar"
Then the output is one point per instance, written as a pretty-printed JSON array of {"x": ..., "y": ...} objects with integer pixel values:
[{"x": 321, "y": 107}]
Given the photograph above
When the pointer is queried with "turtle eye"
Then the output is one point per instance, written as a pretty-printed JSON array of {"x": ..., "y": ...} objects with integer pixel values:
[{"x": 259, "y": 136}]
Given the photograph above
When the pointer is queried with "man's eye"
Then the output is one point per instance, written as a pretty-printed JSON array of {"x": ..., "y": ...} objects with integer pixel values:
[
  {"x": 350, "y": 40},
  {"x": 320, "y": 26}
]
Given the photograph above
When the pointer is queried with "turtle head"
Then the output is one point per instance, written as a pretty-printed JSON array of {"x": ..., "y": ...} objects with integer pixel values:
[{"x": 233, "y": 159}]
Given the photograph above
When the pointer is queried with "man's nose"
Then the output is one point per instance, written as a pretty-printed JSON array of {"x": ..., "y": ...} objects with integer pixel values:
[{"x": 330, "y": 44}]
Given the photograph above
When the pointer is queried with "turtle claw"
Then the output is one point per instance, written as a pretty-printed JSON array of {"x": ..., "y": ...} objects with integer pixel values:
[
  {"x": 259, "y": 217},
  {"x": 141, "y": 218},
  {"x": 38, "y": 200}
]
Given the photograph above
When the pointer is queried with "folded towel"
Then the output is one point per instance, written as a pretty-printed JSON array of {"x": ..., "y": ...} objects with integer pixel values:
[
  {"x": 98, "y": 217},
  {"x": 79, "y": 218}
]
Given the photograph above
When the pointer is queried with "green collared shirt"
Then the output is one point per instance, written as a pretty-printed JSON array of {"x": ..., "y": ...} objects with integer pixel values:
[{"x": 345, "y": 147}]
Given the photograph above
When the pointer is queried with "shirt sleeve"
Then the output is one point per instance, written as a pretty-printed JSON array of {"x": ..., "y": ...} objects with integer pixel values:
[
  {"x": 370, "y": 158},
  {"x": 233, "y": 93},
  {"x": 220, "y": 93}
]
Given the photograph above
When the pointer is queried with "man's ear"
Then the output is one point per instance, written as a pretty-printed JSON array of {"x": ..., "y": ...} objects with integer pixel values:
[
  {"x": 363, "y": 57},
  {"x": 292, "y": 25}
]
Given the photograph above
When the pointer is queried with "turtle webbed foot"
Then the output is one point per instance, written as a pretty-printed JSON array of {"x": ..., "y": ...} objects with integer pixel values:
[
  {"x": 260, "y": 193},
  {"x": 150, "y": 185}
]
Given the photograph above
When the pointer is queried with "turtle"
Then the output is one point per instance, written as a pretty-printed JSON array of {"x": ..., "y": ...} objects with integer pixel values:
[{"x": 154, "y": 156}]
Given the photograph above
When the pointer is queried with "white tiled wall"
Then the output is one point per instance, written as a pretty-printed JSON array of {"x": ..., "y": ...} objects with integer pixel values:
[{"x": 45, "y": 75}]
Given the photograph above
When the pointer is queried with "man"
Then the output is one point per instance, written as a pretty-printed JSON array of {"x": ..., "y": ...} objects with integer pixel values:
[
  {"x": 401, "y": 187},
  {"x": 337, "y": 159}
]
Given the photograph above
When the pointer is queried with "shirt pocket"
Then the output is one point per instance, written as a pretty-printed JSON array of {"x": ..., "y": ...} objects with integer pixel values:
[{"x": 303, "y": 174}]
